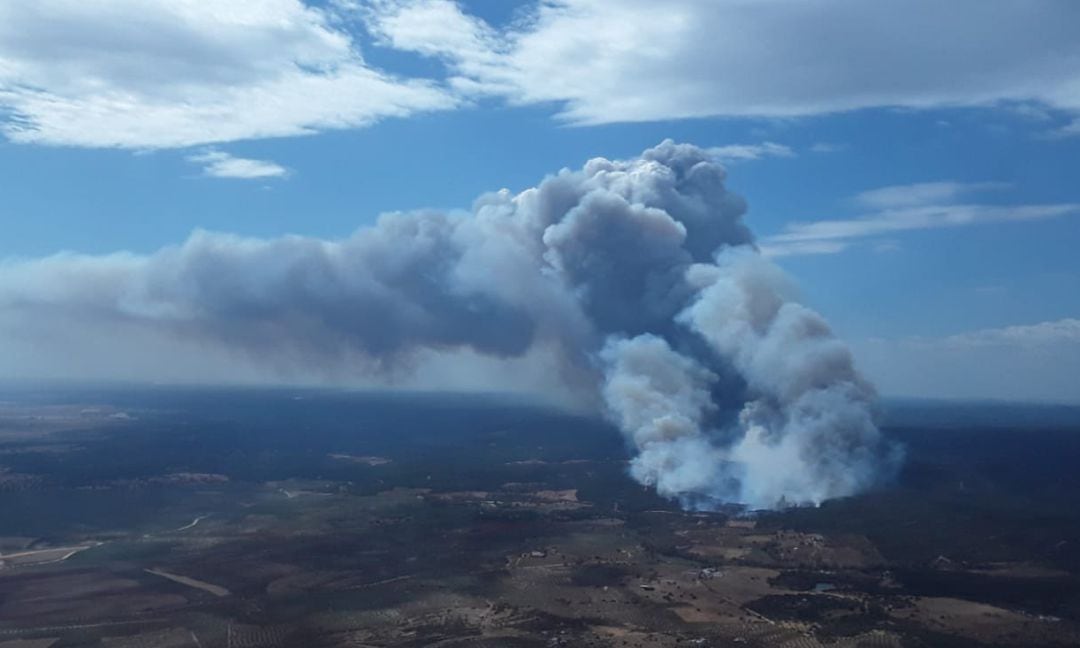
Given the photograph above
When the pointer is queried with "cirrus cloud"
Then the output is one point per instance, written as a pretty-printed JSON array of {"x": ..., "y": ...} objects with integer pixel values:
[{"x": 902, "y": 208}]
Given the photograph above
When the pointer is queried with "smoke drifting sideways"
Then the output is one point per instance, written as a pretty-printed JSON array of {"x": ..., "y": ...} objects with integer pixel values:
[{"x": 639, "y": 276}]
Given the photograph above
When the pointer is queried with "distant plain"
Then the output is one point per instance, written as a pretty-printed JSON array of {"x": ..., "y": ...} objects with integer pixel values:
[{"x": 255, "y": 517}]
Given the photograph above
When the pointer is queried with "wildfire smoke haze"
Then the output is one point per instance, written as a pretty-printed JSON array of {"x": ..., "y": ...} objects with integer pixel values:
[{"x": 639, "y": 276}]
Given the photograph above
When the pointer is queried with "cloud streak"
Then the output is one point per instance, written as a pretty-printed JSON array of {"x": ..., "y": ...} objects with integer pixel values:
[
  {"x": 1041, "y": 334},
  {"x": 922, "y": 194},
  {"x": 219, "y": 164},
  {"x": 746, "y": 152},
  {"x": 903, "y": 208}
]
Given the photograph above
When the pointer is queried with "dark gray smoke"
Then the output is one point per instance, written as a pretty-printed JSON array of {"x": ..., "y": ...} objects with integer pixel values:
[{"x": 638, "y": 275}]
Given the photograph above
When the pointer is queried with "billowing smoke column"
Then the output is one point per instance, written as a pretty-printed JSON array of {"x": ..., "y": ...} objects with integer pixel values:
[{"x": 638, "y": 275}]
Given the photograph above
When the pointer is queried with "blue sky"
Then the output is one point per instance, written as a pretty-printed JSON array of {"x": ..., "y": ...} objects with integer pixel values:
[{"x": 976, "y": 272}]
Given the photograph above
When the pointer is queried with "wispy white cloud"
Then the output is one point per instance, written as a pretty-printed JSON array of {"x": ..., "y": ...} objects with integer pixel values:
[
  {"x": 1071, "y": 129},
  {"x": 1050, "y": 333},
  {"x": 147, "y": 74},
  {"x": 163, "y": 73},
  {"x": 219, "y": 164},
  {"x": 1031, "y": 111},
  {"x": 902, "y": 208},
  {"x": 744, "y": 152},
  {"x": 773, "y": 249},
  {"x": 916, "y": 218},
  {"x": 733, "y": 58},
  {"x": 922, "y": 193}
]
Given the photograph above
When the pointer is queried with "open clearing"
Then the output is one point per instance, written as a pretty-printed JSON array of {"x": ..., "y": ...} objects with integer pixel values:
[{"x": 41, "y": 556}]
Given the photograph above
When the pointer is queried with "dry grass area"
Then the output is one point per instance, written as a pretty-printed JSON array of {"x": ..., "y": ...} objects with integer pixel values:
[
  {"x": 986, "y": 623},
  {"x": 169, "y": 638},
  {"x": 21, "y": 423},
  {"x": 569, "y": 495},
  {"x": 78, "y": 596},
  {"x": 516, "y": 496},
  {"x": 1020, "y": 570},
  {"x": 29, "y": 643}
]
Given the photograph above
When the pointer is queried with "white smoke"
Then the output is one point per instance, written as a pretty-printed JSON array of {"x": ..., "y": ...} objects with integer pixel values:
[{"x": 637, "y": 276}]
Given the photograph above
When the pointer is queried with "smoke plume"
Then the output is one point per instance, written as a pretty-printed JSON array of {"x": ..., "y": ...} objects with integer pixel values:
[{"x": 638, "y": 276}]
